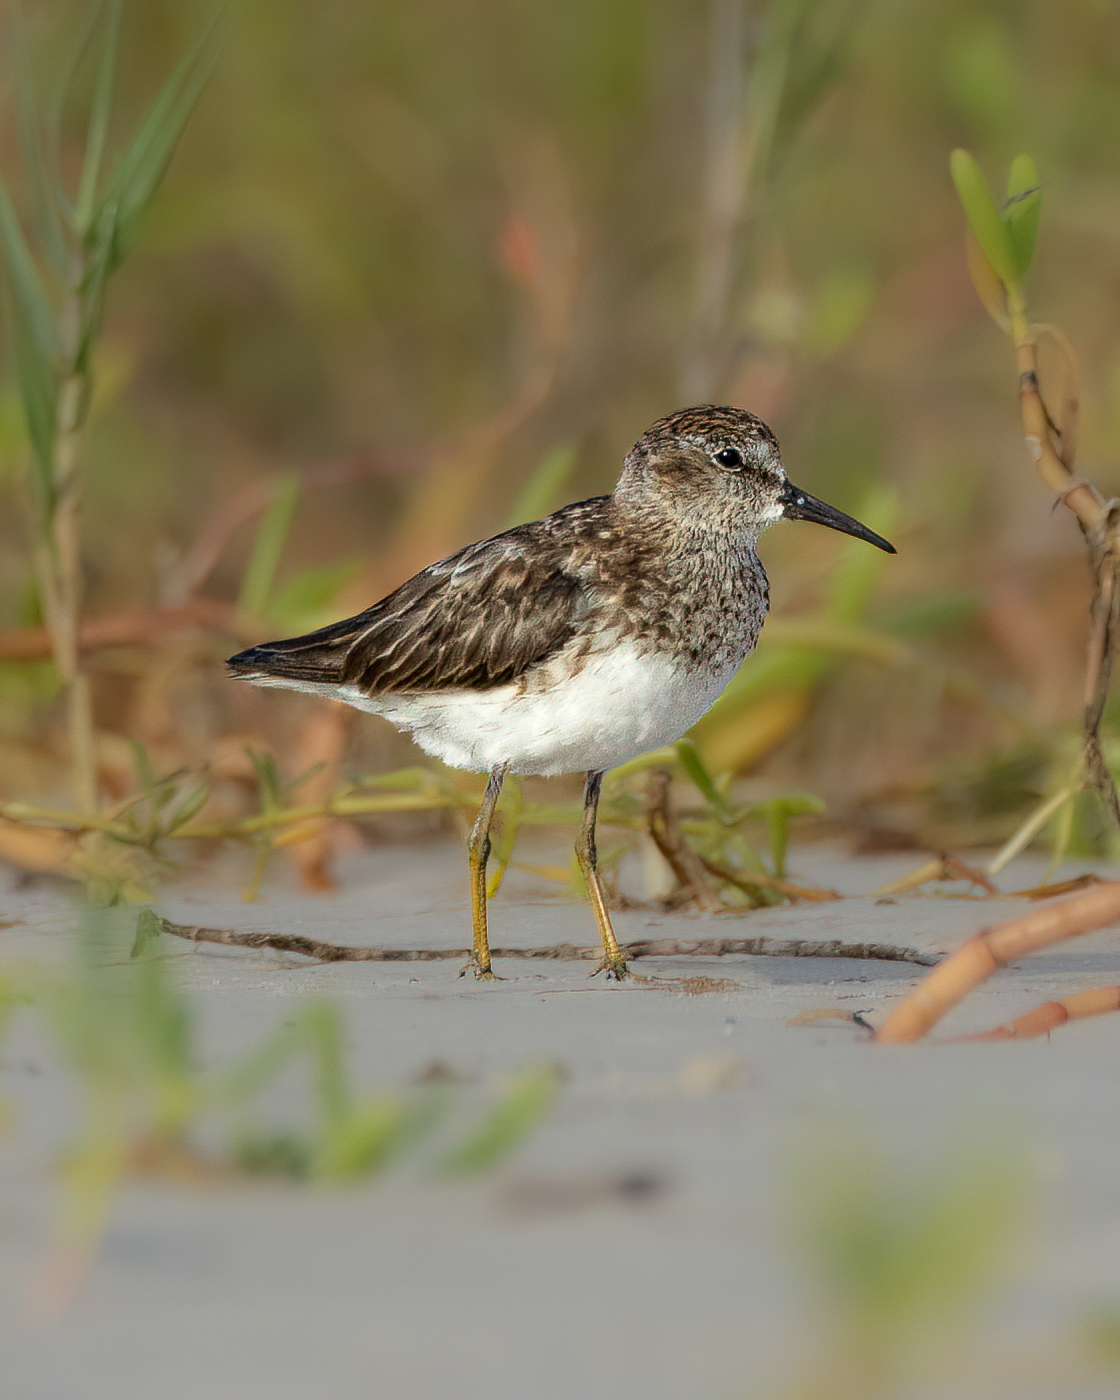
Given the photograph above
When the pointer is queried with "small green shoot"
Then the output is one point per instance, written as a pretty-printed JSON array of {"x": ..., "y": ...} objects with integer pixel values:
[
  {"x": 129, "y": 1038},
  {"x": 902, "y": 1257},
  {"x": 264, "y": 559},
  {"x": 306, "y": 600},
  {"x": 1002, "y": 240},
  {"x": 526, "y": 1100},
  {"x": 58, "y": 278},
  {"x": 777, "y": 811},
  {"x": 541, "y": 493},
  {"x": 510, "y": 808},
  {"x": 272, "y": 795}
]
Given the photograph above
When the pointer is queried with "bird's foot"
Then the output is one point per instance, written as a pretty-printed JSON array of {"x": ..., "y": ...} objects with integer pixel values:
[
  {"x": 482, "y": 973},
  {"x": 614, "y": 967}
]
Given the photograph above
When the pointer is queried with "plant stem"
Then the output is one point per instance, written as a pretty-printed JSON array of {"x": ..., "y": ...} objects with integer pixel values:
[
  {"x": 1079, "y": 496},
  {"x": 61, "y": 563}
]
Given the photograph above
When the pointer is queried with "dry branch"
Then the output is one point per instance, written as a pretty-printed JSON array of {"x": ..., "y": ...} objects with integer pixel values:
[
  {"x": 1041, "y": 1020},
  {"x": 992, "y": 948},
  {"x": 563, "y": 952},
  {"x": 667, "y": 836},
  {"x": 942, "y": 867},
  {"x": 751, "y": 881}
]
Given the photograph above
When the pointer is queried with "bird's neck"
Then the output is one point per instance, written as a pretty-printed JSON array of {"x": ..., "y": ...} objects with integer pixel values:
[{"x": 687, "y": 528}]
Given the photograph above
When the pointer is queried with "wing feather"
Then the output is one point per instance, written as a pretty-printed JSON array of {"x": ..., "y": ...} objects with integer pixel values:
[{"x": 476, "y": 620}]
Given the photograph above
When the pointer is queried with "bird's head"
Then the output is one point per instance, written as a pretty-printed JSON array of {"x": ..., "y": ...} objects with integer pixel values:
[{"x": 723, "y": 466}]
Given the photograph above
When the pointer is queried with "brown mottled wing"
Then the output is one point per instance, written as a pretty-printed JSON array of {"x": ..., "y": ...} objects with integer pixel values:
[{"x": 474, "y": 620}]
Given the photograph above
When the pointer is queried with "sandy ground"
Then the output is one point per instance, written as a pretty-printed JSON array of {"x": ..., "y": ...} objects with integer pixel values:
[{"x": 639, "y": 1243}]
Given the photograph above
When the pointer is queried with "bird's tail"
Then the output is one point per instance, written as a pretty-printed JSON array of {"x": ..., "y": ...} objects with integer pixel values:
[{"x": 319, "y": 657}]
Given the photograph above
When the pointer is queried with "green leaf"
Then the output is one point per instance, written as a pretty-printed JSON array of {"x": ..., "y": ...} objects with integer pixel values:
[
  {"x": 32, "y": 302},
  {"x": 361, "y": 1142},
  {"x": 100, "y": 108},
  {"x": 777, "y": 812},
  {"x": 148, "y": 931},
  {"x": 268, "y": 546},
  {"x": 528, "y": 1097},
  {"x": 935, "y": 612},
  {"x": 984, "y": 218},
  {"x": 1020, "y": 213},
  {"x": 541, "y": 492},
  {"x": 301, "y": 778},
  {"x": 39, "y": 392},
  {"x": 322, "y": 1027},
  {"x": 859, "y": 568},
  {"x": 68, "y": 69},
  {"x": 142, "y": 166},
  {"x": 301, "y": 602},
  {"x": 52, "y": 239},
  {"x": 37, "y": 346},
  {"x": 693, "y": 765},
  {"x": 91, "y": 293},
  {"x": 268, "y": 780},
  {"x": 143, "y": 766},
  {"x": 190, "y": 805}
]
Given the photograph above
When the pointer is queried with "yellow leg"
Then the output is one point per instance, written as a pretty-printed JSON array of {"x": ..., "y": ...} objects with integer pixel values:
[
  {"x": 478, "y": 848},
  {"x": 613, "y": 962}
]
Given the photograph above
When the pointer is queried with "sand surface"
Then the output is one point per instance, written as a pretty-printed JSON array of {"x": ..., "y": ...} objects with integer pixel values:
[{"x": 639, "y": 1243}]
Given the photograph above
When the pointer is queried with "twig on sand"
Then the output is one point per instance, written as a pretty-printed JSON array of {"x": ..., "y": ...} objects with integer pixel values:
[
  {"x": 751, "y": 880},
  {"x": 685, "y": 864},
  {"x": 564, "y": 952},
  {"x": 1041, "y": 1020},
  {"x": 943, "y": 867}
]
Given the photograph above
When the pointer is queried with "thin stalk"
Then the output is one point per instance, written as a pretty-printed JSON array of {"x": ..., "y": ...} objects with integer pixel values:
[
  {"x": 61, "y": 564},
  {"x": 1080, "y": 496}
]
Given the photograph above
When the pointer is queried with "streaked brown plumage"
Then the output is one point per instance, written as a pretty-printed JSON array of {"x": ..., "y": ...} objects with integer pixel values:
[{"x": 579, "y": 640}]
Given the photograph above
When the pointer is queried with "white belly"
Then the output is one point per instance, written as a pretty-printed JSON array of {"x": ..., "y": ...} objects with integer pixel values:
[{"x": 618, "y": 705}]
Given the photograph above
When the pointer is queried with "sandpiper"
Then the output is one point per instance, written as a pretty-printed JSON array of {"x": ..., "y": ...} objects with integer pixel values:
[{"x": 577, "y": 642}]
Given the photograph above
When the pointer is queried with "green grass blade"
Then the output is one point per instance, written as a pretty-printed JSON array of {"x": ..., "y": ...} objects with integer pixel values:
[
  {"x": 47, "y": 223},
  {"x": 268, "y": 546},
  {"x": 693, "y": 765},
  {"x": 143, "y": 766},
  {"x": 527, "y": 1099},
  {"x": 98, "y": 128},
  {"x": 304, "y": 601},
  {"x": 31, "y": 298},
  {"x": 189, "y": 807},
  {"x": 38, "y": 390},
  {"x": 859, "y": 568},
  {"x": 143, "y": 165},
  {"x": 37, "y": 347},
  {"x": 322, "y": 1029},
  {"x": 250, "y": 1075},
  {"x": 68, "y": 70},
  {"x": 362, "y": 1142},
  {"x": 91, "y": 293},
  {"x": 268, "y": 781},
  {"x": 148, "y": 931},
  {"x": 816, "y": 56},
  {"x": 541, "y": 492}
]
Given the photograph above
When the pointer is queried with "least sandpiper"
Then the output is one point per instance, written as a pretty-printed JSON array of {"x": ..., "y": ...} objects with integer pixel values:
[{"x": 579, "y": 641}]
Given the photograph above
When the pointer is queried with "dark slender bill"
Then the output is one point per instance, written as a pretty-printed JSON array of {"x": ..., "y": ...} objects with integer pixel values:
[{"x": 799, "y": 505}]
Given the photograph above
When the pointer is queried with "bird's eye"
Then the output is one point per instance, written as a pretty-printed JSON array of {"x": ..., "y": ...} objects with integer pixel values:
[{"x": 730, "y": 457}]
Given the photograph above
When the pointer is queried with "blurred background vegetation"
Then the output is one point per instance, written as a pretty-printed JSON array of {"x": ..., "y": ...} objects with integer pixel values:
[{"x": 416, "y": 271}]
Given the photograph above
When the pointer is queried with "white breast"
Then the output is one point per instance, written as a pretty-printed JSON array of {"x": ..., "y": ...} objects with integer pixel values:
[{"x": 618, "y": 704}]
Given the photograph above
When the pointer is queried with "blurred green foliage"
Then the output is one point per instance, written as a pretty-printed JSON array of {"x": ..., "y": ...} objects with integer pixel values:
[
  {"x": 902, "y": 1257},
  {"x": 130, "y": 1040}
]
